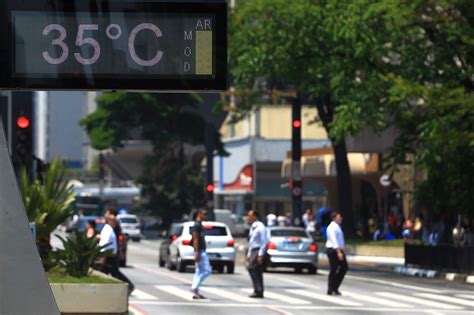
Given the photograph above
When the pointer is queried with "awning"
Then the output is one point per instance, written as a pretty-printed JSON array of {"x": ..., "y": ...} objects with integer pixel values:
[{"x": 325, "y": 165}]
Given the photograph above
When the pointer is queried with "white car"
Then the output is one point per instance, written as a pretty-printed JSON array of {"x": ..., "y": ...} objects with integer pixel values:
[
  {"x": 177, "y": 251},
  {"x": 130, "y": 225}
]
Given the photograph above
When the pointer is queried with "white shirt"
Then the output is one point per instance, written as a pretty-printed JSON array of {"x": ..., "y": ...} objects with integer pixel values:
[
  {"x": 258, "y": 238},
  {"x": 107, "y": 237},
  {"x": 271, "y": 219},
  {"x": 335, "y": 236}
]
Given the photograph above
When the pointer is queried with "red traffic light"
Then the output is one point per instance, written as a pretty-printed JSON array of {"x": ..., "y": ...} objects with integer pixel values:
[
  {"x": 296, "y": 123},
  {"x": 210, "y": 188},
  {"x": 23, "y": 122}
]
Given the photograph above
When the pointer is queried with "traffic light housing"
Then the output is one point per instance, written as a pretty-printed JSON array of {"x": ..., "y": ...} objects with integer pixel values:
[{"x": 22, "y": 133}]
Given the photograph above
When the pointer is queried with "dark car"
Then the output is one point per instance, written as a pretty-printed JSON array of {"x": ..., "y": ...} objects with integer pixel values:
[
  {"x": 168, "y": 237},
  {"x": 81, "y": 225}
]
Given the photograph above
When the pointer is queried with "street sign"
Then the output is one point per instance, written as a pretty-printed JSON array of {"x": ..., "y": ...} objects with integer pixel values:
[
  {"x": 113, "y": 44},
  {"x": 385, "y": 180}
]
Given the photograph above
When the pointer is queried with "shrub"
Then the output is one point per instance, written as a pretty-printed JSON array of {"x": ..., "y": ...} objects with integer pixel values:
[{"x": 79, "y": 254}]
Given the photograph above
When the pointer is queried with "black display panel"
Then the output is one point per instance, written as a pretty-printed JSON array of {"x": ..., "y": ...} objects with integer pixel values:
[{"x": 113, "y": 45}]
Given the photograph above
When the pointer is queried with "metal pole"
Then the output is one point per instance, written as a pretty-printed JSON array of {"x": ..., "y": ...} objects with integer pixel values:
[
  {"x": 209, "y": 171},
  {"x": 297, "y": 184}
]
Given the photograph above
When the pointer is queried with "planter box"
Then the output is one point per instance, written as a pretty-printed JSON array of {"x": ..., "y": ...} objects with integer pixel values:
[
  {"x": 382, "y": 251},
  {"x": 91, "y": 298}
]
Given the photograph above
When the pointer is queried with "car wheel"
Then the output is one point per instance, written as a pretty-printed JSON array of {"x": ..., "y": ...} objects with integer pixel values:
[
  {"x": 298, "y": 270},
  {"x": 169, "y": 264},
  {"x": 180, "y": 265},
  {"x": 312, "y": 270},
  {"x": 230, "y": 268},
  {"x": 161, "y": 262}
]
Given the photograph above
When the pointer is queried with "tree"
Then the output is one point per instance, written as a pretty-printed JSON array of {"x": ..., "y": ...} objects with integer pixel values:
[
  {"x": 172, "y": 181},
  {"x": 429, "y": 81},
  {"x": 299, "y": 44}
]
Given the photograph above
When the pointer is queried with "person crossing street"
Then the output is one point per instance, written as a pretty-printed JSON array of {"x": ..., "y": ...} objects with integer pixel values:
[
  {"x": 201, "y": 260},
  {"x": 335, "y": 252},
  {"x": 258, "y": 240}
]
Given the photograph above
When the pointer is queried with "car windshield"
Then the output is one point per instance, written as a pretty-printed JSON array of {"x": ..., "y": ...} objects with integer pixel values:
[
  {"x": 288, "y": 233},
  {"x": 210, "y": 230},
  {"x": 128, "y": 220}
]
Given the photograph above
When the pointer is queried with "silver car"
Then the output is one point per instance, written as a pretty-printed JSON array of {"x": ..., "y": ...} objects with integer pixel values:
[{"x": 292, "y": 247}]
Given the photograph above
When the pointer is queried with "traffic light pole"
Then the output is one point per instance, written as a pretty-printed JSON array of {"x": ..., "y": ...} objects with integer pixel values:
[
  {"x": 209, "y": 189},
  {"x": 296, "y": 178}
]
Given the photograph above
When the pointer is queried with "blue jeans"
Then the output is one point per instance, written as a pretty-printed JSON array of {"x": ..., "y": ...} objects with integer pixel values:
[{"x": 203, "y": 269}]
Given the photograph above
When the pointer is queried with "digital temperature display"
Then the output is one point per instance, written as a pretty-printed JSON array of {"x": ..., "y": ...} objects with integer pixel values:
[{"x": 94, "y": 45}]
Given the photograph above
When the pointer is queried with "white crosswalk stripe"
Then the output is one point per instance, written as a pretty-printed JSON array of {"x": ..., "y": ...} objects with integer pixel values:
[
  {"x": 406, "y": 298},
  {"x": 445, "y": 298},
  {"x": 184, "y": 294},
  {"x": 375, "y": 300},
  {"x": 228, "y": 295},
  {"x": 466, "y": 296},
  {"x": 141, "y": 295},
  {"x": 281, "y": 297},
  {"x": 323, "y": 297}
]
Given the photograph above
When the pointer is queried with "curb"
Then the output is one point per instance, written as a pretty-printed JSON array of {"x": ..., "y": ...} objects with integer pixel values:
[{"x": 426, "y": 273}]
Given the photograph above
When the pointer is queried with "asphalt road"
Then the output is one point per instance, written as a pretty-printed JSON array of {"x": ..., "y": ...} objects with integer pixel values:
[{"x": 364, "y": 291}]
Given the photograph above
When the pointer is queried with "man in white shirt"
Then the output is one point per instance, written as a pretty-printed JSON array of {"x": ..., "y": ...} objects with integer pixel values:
[
  {"x": 258, "y": 240},
  {"x": 335, "y": 252},
  {"x": 109, "y": 240}
]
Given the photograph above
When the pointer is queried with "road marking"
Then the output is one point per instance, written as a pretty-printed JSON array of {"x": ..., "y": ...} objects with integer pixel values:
[
  {"x": 280, "y": 297},
  {"x": 161, "y": 273},
  {"x": 183, "y": 294},
  {"x": 384, "y": 282},
  {"x": 135, "y": 310},
  {"x": 411, "y": 299},
  {"x": 375, "y": 300},
  {"x": 322, "y": 297},
  {"x": 228, "y": 295},
  {"x": 466, "y": 296},
  {"x": 277, "y": 310},
  {"x": 141, "y": 295},
  {"x": 348, "y": 309},
  {"x": 448, "y": 299}
]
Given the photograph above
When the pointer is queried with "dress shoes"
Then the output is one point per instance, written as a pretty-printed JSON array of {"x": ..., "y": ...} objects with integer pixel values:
[
  {"x": 334, "y": 293},
  {"x": 256, "y": 295}
]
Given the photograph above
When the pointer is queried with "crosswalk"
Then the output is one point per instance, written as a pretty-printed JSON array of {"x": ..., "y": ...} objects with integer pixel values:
[{"x": 298, "y": 297}]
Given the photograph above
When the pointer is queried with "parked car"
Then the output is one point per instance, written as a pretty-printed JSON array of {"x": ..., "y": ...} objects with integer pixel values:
[
  {"x": 130, "y": 225},
  {"x": 292, "y": 247},
  {"x": 176, "y": 251},
  {"x": 81, "y": 224}
]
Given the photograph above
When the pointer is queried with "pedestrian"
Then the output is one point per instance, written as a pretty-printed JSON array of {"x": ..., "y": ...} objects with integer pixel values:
[
  {"x": 90, "y": 229},
  {"x": 111, "y": 218},
  {"x": 335, "y": 252},
  {"x": 271, "y": 218},
  {"x": 201, "y": 260},
  {"x": 258, "y": 240}
]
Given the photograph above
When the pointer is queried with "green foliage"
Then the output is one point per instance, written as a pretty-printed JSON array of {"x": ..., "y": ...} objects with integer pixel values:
[
  {"x": 162, "y": 119},
  {"x": 47, "y": 203},
  {"x": 79, "y": 254},
  {"x": 173, "y": 183},
  {"x": 374, "y": 64},
  {"x": 59, "y": 276}
]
